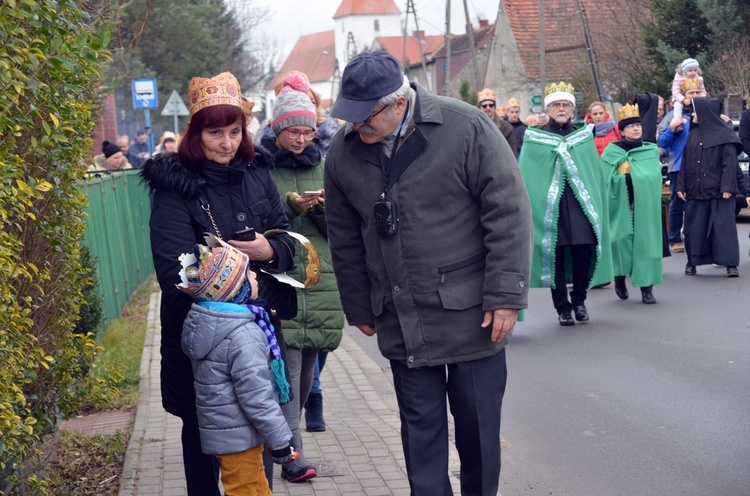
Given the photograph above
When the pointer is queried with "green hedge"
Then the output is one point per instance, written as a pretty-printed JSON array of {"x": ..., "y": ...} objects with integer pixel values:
[{"x": 51, "y": 62}]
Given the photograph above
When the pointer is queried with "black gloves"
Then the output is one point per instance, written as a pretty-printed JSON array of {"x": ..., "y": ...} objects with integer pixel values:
[{"x": 282, "y": 454}]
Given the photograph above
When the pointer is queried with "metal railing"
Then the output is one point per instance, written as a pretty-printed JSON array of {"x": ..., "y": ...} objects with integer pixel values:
[{"x": 117, "y": 235}]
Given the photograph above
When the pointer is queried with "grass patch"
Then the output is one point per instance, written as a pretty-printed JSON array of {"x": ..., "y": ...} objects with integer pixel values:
[
  {"x": 88, "y": 465},
  {"x": 122, "y": 341}
]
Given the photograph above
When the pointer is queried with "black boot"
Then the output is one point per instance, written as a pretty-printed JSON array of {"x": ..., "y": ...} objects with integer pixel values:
[
  {"x": 647, "y": 295},
  {"x": 314, "y": 413},
  {"x": 620, "y": 289}
]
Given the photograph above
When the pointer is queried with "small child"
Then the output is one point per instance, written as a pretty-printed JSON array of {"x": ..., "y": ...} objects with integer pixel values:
[
  {"x": 688, "y": 69},
  {"x": 237, "y": 367}
]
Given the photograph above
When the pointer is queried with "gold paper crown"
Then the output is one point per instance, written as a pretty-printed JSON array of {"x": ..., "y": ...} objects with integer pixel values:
[
  {"x": 514, "y": 103},
  {"x": 223, "y": 89},
  {"x": 627, "y": 111},
  {"x": 558, "y": 88},
  {"x": 485, "y": 94},
  {"x": 690, "y": 84}
]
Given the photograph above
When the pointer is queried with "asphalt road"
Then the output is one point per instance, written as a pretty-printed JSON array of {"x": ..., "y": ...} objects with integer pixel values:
[{"x": 643, "y": 400}]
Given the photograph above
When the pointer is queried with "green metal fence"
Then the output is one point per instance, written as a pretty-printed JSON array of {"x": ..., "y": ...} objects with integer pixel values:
[{"x": 117, "y": 234}]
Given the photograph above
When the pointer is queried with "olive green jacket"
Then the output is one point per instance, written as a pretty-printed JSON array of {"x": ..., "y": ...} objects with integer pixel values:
[{"x": 320, "y": 321}]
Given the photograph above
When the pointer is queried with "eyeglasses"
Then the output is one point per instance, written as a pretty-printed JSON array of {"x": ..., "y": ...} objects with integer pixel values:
[
  {"x": 566, "y": 105},
  {"x": 294, "y": 134},
  {"x": 372, "y": 116},
  {"x": 488, "y": 105}
]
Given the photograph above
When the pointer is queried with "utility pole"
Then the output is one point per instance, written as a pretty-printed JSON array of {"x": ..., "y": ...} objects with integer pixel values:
[
  {"x": 411, "y": 9},
  {"x": 472, "y": 46},
  {"x": 542, "y": 55},
  {"x": 447, "y": 65},
  {"x": 589, "y": 50}
]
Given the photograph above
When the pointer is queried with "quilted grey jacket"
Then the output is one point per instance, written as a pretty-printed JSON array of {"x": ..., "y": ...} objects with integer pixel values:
[{"x": 235, "y": 398}]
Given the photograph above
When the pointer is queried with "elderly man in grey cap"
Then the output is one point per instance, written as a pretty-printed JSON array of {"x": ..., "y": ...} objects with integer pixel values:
[{"x": 430, "y": 231}]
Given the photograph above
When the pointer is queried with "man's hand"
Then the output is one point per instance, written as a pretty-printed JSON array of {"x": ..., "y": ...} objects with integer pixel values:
[
  {"x": 676, "y": 122},
  {"x": 502, "y": 320},
  {"x": 367, "y": 329},
  {"x": 681, "y": 195},
  {"x": 726, "y": 195}
]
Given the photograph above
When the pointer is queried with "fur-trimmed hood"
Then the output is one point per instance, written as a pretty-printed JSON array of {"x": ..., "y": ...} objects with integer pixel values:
[{"x": 164, "y": 171}]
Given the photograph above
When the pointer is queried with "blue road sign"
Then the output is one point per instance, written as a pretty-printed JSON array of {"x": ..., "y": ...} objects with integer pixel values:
[{"x": 144, "y": 93}]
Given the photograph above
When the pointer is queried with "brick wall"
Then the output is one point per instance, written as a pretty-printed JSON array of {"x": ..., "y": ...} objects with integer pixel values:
[{"x": 106, "y": 125}]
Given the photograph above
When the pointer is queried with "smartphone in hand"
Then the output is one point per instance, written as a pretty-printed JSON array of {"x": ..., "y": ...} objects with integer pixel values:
[{"x": 247, "y": 234}]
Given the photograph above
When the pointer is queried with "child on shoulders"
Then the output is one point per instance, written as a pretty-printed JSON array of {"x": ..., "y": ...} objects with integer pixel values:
[{"x": 688, "y": 69}]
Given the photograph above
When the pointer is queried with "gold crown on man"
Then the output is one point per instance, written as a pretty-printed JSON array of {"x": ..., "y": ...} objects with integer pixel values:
[
  {"x": 558, "y": 88},
  {"x": 223, "y": 89},
  {"x": 627, "y": 111},
  {"x": 690, "y": 84}
]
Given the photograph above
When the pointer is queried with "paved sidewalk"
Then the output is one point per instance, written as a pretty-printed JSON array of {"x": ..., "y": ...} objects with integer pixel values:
[{"x": 359, "y": 453}]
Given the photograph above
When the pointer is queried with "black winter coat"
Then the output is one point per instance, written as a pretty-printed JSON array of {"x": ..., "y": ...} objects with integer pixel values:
[
  {"x": 707, "y": 172},
  {"x": 239, "y": 195}
]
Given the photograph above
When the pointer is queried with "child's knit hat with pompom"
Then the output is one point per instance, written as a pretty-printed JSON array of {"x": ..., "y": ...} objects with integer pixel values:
[{"x": 292, "y": 106}]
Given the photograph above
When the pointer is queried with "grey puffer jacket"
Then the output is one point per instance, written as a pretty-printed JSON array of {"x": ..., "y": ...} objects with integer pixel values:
[{"x": 234, "y": 393}]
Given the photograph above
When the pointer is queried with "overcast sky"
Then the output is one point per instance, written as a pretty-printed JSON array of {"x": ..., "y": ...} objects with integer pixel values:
[{"x": 291, "y": 18}]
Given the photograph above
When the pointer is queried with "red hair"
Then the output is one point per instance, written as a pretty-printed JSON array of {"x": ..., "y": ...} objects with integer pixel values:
[{"x": 191, "y": 149}]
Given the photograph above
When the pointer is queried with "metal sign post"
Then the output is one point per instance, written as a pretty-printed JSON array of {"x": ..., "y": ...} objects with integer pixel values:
[
  {"x": 175, "y": 107},
  {"x": 146, "y": 97}
]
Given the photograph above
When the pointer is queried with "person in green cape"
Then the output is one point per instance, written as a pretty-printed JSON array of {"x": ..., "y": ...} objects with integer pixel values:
[
  {"x": 634, "y": 207},
  {"x": 566, "y": 184}
]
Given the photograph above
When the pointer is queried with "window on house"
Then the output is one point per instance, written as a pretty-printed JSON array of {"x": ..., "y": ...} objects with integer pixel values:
[
  {"x": 377, "y": 26},
  {"x": 503, "y": 58}
]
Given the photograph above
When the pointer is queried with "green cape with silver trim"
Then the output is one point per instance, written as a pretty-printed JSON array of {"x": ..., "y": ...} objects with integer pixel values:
[
  {"x": 547, "y": 162},
  {"x": 636, "y": 236}
]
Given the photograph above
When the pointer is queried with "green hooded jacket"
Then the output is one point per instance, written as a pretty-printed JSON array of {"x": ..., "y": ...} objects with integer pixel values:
[{"x": 320, "y": 321}]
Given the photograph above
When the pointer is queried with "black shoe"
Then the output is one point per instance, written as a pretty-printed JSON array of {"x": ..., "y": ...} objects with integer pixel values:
[
  {"x": 314, "y": 413},
  {"x": 690, "y": 270},
  {"x": 565, "y": 318},
  {"x": 647, "y": 295},
  {"x": 582, "y": 315},
  {"x": 733, "y": 272},
  {"x": 620, "y": 289}
]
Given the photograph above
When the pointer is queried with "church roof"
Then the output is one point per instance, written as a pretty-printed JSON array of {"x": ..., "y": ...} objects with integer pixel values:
[{"x": 366, "y": 7}]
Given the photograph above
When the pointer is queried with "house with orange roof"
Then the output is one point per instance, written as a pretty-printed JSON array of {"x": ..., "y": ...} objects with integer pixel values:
[
  {"x": 322, "y": 56},
  {"x": 519, "y": 67},
  {"x": 410, "y": 52}
]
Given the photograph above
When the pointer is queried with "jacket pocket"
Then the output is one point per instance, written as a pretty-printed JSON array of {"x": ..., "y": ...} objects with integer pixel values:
[
  {"x": 463, "y": 295},
  {"x": 259, "y": 211},
  {"x": 376, "y": 302},
  {"x": 376, "y": 295}
]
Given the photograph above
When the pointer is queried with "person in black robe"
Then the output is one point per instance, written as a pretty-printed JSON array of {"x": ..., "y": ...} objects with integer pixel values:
[{"x": 707, "y": 182}]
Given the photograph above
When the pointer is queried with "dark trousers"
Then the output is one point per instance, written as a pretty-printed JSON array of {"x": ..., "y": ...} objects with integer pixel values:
[
  {"x": 475, "y": 391},
  {"x": 201, "y": 470},
  {"x": 581, "y": 258},
  {"x": 676, "y": 210}
]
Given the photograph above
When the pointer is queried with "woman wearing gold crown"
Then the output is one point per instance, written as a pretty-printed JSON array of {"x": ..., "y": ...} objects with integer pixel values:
[
  {"x": 566, "y": 184},
  {"x": 218, "y": 183},
  {"x": 634, "y": 207}
]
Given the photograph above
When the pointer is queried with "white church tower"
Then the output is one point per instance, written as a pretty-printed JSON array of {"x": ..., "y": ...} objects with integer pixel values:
[{"x": 358, "y": 22}]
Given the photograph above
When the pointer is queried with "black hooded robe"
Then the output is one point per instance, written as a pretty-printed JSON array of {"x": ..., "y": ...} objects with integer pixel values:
[{"x": 709, "y": 168}]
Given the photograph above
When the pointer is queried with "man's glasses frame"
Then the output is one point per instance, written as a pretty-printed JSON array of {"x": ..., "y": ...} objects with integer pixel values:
[
  {"x": 372, "y": 116},
  {"x": 488, "y": 105}
]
